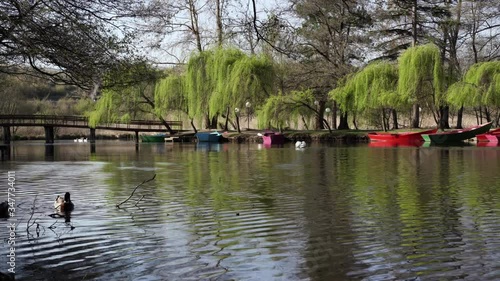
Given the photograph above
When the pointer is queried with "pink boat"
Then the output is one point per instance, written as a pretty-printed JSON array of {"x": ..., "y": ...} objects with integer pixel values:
[
  {"x": 492, "y": 136},
  {"x": 271, "y": 137}
]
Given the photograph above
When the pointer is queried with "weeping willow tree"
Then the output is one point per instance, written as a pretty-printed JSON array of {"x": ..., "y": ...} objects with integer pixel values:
[
  {"x": 421, "y": 80},
  {"x": 281, "y": 110},
  {"x": 199, "y": 86},
  {"x": 275, "y": 112},
  {"x": 221, "y": 79},
  {"x": 170, "y": 95},
  {"x": 479, "y": 87},
  {"x": 220, "y": 70},
  {"x": 373, "y": 88},
  {"x": 128, "y": 93}
]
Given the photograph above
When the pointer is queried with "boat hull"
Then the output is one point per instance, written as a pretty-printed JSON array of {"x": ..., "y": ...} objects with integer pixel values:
[
  {"x": 270, "y": 138},
  {"x": 406, "y": 137},
  {"x": 208, "y": 136},
  {"x": 153, "y": 138},
  {"x": 457, "y": 135},
  {"x": 491, "y": 136}
]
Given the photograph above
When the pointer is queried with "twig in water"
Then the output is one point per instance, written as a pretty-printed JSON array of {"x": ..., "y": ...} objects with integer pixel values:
[
  {"x": 139, "y": 200},
  {"x": 118, "y": 205},
  {"x": 31, "y": 216}
]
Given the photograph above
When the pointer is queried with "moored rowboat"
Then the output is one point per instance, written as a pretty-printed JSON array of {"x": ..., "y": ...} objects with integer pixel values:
[
  {"x": 153, "y": 138},
  {"x": 271, "y": 137},
  {"x": 405, "y": 137},
  {"x": 454, "y": 136},
  {"x": 491, "y": 136},
  {"x": 209, "y": 136}
]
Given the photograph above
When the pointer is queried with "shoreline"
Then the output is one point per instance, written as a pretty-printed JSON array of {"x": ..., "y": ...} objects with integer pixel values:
[{"x": 247, "y": 136}]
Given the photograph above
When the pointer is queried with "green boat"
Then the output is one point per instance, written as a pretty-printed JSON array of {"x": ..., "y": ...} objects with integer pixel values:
[
  {"x": 455, "y": 136},
  {"x": 153, "y": 138}
]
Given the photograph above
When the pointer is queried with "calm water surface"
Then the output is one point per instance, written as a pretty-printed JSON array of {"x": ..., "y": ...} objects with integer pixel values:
[{"x": 245, "y": 212}]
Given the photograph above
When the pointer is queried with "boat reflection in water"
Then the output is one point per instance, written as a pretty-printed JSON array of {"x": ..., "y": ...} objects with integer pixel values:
[
  {"x": 268, "y": 145},
  {"x": 209, "y": 146},
  {"x": 488, "y": 144},
  {"x": 395, "y": 144}
]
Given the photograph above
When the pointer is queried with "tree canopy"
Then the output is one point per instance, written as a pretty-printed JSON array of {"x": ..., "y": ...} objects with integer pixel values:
[
  {"x": 479, "y": 86},
  {"x": 70, "y": 41}
]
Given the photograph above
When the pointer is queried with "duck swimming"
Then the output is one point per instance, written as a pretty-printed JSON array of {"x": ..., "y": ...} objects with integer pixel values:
[
  {"x": 4, "y": 210},
  {"x": 64, "y": 204}
]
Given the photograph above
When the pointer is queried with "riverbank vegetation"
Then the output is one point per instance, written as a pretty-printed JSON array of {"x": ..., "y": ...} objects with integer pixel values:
[{"x": 309, "y": 64}]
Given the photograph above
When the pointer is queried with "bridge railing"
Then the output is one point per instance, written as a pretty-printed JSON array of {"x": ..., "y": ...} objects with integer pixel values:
[{"x": 82, "y": 121}]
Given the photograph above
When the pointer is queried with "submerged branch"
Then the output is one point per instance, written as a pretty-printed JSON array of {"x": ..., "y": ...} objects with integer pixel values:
[{"x": 132, "y": 194}]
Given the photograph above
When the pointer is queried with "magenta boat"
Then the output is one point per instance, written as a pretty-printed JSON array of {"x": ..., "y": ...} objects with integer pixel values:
[{"x": 271, "y": 137}]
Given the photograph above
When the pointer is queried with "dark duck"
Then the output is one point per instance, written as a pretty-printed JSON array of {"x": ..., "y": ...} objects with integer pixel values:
[{"x": 64, "y": 204}]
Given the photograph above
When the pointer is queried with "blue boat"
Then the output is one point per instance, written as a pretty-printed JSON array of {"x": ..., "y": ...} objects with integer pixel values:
[{"x": 209, "y": 136}]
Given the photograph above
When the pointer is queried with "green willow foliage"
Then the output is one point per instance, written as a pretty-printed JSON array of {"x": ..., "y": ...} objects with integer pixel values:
[
  {"x": 221, "y": 69},
  {"x": 479, "y": 86},
  {"x": 198, "y": 84},
  {"x": 170, "y": 94},
  {"x": 280, "y": 110},
  {"x": 127, "y": 94},
  {"x": 216, "y": 80},
  {"x": 274, "y": 113},
  {"x": 421, "y": 74},
  {"x": 372, "y": 87},
  {"x": 103, "y": 110}
]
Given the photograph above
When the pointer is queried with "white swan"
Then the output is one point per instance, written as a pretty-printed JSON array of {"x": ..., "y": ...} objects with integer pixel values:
[{"x": 300, "y": 144}]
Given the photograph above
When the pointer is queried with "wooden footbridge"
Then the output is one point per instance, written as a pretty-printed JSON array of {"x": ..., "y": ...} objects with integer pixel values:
[{"x": 49, "y": 122}]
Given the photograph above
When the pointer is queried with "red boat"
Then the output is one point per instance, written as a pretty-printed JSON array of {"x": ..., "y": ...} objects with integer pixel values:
[
  {"x": 405, "y": 137},
  {"x": 491, "y": 136}
]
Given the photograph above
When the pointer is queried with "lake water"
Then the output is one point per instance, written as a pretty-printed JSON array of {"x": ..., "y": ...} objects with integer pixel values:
[{"x": 246, "y": 212}]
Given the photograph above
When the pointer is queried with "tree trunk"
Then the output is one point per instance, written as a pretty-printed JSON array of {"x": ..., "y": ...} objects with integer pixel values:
[
  {"x": 194, "y": 127},
  {"x": 415, "y": 121},
  {"x": 237, "y": 122},
  {"x": 487, "y": 114},
  {"x": 414, "y": 23},
  {"x": 443, "y": 117},
  {"x": 343, "y": 125},
  {"x": 227, "y": 119},
  {"x": 334, "y": 115},
  {"x": 384, "y": 127},
  {"x": 319, "y": 116},
  {"x": 460, "y": 114},
  {"x": 219, "y": 21},
  {"x": 394, "y": 119},
  {"x": 195, "y": 29},
  {"x": 164, "y": 122}
]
